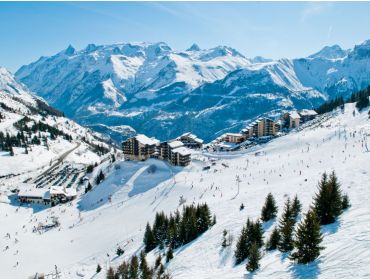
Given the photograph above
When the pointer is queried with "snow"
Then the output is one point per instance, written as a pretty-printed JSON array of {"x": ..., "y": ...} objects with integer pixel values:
[
  {"x": 145, "y": 140},
  {"x": 175, "y": 144},
  {"x": 182, "y": 151},
  {"x": 294, "y": 115},
  {"x": 115, "y": 212}
]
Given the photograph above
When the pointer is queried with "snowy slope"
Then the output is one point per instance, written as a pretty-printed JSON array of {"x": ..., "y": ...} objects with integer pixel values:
[
  {"x": 20, "y": 103},
  {"x": 115, "y": 213}
]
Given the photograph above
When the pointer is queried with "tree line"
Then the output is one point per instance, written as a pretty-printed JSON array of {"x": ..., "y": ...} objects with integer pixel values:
[
  {"x": 178, "y": 229},
  {"x": 361, "y": 98}
]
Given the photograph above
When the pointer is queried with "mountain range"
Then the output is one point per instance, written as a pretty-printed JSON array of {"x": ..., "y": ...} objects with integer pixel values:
[{"x": 150, "y": 88}]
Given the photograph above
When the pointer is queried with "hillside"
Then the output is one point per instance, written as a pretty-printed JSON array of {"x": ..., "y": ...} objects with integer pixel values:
[
  {"x": 115, "y": 212},
  {"x": 37, "y": 141},
  {"x": 201, "y": 90}
]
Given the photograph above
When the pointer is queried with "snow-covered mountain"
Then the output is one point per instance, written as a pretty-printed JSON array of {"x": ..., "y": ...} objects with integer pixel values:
[
  {"x": 135, "y": 83},
  {"x": 40, "y": 134}
]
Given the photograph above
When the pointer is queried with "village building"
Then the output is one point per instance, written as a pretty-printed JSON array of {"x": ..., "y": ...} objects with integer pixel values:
[
  {"x": 307, "y": 115},
  {"x": 28, "y": 193},
  {"x": 233, "y": 137},
  {"x": 260, "y": 128},
  {"x": 56, "y": 194},
  {"x": 292, "y": 119},
  {"x": 175, "y": 152},
  {"x": 140, "y": 147},
  {"x": 191, "y": 141}
]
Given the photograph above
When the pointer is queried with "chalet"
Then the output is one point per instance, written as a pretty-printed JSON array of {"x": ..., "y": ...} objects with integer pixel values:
[
  {"x": 307, "y": 115},
  {"x": 293, "y": 119},
  {"x": 31, "y": 194},
  {"x": 59, "y": 194},
  {"x": 140, "y": 147},
  {"x": 52, "y": 196},
  {"x": 233, "y": 137},
  {"x": 191, "y": 140}
]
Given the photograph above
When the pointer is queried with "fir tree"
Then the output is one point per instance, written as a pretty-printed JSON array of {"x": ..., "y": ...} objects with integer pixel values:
[
  {"x": 224, "y": 241},
  {"x": 158, "y": 261},
  {"x": 11, "y": 152},
  {"x": 345, "y": 202},
  {"x": 169, "y": 255},
  {"x": 241, "y": 246},
  {"x": 328, "y": 201},
  {"x": 254, "y": 258},
  {"x": 123, "y": 270},
  {"x": 286, "y": 227},
  {"x": 296, "y": 207},
  {"x": 160, "y": 271},
  {"x": 134, "y": 268},
  {"x": 98, "y": 268},
  {"x": 274, "y": 240},
  {"x": 110, "y": 273},
  {"x": 144, "y": 268},
  {"x": 269, "y": 210},
  {"x": 308, "y": 239},
  {"x": 149, "y": 240},
  {"x": 119, "y": 251}
]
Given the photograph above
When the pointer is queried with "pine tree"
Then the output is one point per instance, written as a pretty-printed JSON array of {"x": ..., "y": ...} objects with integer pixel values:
[
  {"x": 214, "y": 221},
  {"x": 308, "y": 239},
  {"x": 224, "y": 241},
  {"x": 158, "y": 261},
  {"x": 160, "y": 271},
  {"x": 98, "y": 268},
  {"x": 345, "y": 202},
  {"x": 254, "y": 258},
  {"x": 110, "y": 273},
  {"x": 269, "y": 210},
  {"x": 11, "y": 151},
  {"x": 149, "y": 240},
  {"x": 145, "y": 270},
  {"x": 119, "y": 251},
  {"x": 134, "y": 268},
  {"x": 169, "y": 255},
  {"x": 241, "y": 246},
  {"x": 328, "y": 201},
  {"x": 286, "y": 227},
  {"x": 274, "y": 240},
  {"x": 123, "y": 270},
  {"x": 296, "y": 207}
]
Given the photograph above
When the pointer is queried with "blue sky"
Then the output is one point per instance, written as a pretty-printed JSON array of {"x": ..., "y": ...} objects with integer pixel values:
[{"x": 270, "y": 29}]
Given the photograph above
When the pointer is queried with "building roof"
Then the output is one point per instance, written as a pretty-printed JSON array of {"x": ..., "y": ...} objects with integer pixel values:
[
  {"x": 55, "y": 190},
  {"x": 33, "y": 192},
  {"x": 234, "y": 134},
  {"x": 307, "y": 112},
  {"x": 145, "y": 140},
  {"x": 175, "y": 144},
  {"x": 192, "y": 136},
  {"x": 294, "y": 115},
  {"x": 182, "y": 151}
]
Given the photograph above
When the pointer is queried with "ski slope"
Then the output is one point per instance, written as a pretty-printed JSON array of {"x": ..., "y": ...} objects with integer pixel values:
[{"x": 115, "y": 212}]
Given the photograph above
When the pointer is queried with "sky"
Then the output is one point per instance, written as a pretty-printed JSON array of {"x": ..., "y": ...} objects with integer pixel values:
[{"x": 29, "y": 30}]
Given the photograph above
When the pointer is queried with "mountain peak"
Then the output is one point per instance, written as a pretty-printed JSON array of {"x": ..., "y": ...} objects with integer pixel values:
[
  {"x": 90, "y": 48},
  {"x": 70, "y": 50},
  {"x": 194, "y": 47},
  {"x": 330, "y": 52}
]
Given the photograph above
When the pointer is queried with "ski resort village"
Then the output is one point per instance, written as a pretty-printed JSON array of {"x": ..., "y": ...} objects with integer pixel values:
[
  {"x": 141, "y": 160},
  {"x": 237, "y": 206}
]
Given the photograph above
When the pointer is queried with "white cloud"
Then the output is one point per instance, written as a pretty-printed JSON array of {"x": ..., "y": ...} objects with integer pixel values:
[{"x": 314, "y": 9}]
